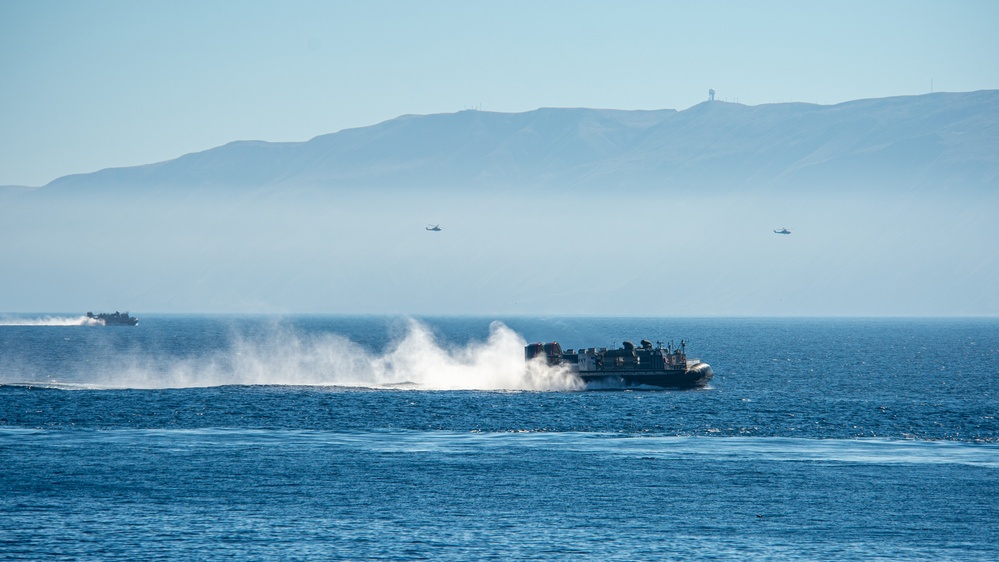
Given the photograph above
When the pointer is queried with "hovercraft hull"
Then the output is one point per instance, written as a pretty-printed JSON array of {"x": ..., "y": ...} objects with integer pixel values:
[{"x": 695, "y": 377}]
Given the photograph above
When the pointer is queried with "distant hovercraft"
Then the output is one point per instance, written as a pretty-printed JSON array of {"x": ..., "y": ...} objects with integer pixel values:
[
  {"x": 115, "y": 319},
  {"x": 627, "y": 366}
]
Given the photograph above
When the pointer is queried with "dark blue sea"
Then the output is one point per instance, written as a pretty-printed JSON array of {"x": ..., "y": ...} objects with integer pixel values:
[{"x": 308, "y": 437}]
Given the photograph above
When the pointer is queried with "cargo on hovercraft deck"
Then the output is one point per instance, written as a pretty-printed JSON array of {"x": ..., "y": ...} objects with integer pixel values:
[{"x": 666, "y": 367}]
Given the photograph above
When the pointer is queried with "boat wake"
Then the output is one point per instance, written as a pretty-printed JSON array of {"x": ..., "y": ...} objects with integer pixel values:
[
  {"x": 50, "y": 321},
  {"x": 415, "y": 360}
]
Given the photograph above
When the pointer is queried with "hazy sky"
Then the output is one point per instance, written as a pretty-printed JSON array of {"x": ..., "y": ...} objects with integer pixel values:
[{"x": 86, "y": 85}]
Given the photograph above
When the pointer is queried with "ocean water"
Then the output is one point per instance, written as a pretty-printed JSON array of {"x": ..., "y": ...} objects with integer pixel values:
[{"x": 200, "y": 437}]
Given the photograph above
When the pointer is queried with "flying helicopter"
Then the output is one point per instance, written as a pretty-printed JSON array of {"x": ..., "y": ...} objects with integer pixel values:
[
  {"x": 435, "y": 228},
  {"x": 782, "y": 231}
]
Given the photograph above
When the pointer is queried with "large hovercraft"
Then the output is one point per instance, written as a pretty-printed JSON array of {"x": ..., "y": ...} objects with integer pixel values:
[
  {"x": 116, "y": 319},
  {"x": 662, "y": 366}
]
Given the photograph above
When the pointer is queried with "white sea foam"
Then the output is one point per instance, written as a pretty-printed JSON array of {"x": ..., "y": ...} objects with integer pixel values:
[{"x": 285, "y": 357}]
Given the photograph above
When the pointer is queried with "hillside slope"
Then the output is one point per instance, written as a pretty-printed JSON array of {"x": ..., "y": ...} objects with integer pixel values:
[{"x": 935, "y": 141}]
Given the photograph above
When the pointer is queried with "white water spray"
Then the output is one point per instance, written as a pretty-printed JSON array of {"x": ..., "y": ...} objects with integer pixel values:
[
  {"x": 51, "y": 321},
  {"x": 414, "y": 361}
]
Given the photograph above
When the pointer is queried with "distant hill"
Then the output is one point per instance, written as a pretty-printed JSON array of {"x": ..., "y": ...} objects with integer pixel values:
[{"x": 935, "y": 141}]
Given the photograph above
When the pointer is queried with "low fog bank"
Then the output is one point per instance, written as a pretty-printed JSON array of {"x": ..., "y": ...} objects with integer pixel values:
[{"x": 862, "y": 252}]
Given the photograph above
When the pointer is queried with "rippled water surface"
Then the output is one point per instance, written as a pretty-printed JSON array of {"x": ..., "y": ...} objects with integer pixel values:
[{"x": 359, "y": 438}]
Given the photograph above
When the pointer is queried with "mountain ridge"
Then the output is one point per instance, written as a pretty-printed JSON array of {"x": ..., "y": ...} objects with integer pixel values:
[{"x": 932, "y": 141}]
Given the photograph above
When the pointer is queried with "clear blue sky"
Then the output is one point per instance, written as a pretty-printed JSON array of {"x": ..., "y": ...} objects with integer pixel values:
[{"x": 86, "y": 85}]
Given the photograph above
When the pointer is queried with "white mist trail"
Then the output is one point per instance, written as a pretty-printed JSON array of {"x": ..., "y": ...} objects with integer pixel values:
[
  {"x": 51, "y": 321},
  {"x": 416, "y": 360}
]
